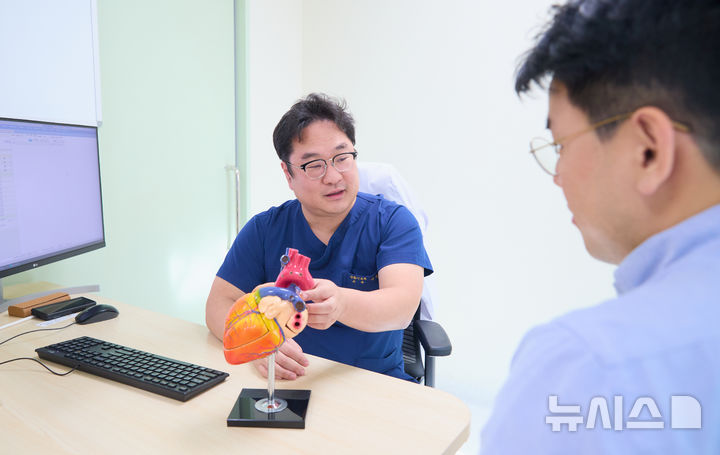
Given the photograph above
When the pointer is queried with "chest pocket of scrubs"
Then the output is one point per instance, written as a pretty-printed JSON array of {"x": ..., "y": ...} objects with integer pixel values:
[{"x": 360, "y": 282}]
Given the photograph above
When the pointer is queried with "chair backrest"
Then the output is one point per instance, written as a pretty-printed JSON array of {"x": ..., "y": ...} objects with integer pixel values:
[
  {"x": 384, "y": 179},
  {"x": 411, "y": 351}
]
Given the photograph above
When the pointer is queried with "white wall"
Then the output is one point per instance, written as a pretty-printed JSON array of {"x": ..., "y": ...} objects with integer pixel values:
[
  {"x": 274, "y": 81},
  {"x": 431, "y": 86},
  {"x": 168, "y": 134},
  {"x": 49, "y": 57}
]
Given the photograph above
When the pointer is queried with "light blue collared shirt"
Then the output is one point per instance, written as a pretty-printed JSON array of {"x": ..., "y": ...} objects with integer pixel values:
[{"x": 644, "y": 368}]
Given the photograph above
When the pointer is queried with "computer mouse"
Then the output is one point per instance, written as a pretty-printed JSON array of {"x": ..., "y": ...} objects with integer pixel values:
[{"x": 96, "y": 313}]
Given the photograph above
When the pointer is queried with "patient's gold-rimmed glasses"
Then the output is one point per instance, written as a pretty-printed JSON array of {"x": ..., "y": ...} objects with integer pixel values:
[{"x": 547, "y": 153}]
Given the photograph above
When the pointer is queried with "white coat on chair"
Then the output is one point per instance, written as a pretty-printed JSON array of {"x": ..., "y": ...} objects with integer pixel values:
[{"x": 384, "y": 179}]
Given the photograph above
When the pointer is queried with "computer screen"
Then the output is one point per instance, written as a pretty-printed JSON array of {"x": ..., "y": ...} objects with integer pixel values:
[{"x": 50, "y": 196}]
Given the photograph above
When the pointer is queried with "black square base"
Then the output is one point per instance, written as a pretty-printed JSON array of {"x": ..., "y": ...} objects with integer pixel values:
[{"x": 244, "y": 414}]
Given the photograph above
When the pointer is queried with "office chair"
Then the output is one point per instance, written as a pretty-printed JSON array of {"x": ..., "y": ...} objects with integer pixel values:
[
  {"x": 435, "y": 343},
  {"x": 384, "y": 179}
]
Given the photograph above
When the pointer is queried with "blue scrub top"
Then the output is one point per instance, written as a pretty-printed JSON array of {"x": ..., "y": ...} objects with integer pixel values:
[{"x": 376, "y": 233}]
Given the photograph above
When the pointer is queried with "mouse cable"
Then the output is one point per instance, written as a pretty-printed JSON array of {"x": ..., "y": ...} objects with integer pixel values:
[
  {"x": 36, "y": 360},
  {"x": 36, "y": 330}
]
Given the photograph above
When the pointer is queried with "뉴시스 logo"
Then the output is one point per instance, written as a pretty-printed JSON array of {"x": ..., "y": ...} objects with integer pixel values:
[{"x": 685, "y": 412}]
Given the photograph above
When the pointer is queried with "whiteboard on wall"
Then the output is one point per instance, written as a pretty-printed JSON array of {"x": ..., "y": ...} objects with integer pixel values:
[{"x": 49, "y": 61}]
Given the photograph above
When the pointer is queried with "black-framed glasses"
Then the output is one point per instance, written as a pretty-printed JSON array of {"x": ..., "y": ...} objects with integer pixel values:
[
  {"x": 316, "y": 169},
  {"x": 547, "y": 153}
]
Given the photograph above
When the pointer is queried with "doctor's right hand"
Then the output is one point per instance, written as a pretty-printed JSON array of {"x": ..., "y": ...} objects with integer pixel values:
[{"x": 290, "y": 362}]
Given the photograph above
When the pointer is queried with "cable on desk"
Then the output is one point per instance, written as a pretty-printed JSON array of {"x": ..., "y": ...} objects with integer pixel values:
[
  {"x": 36, "y": 360},
  {"x": 36, "y": 330}
]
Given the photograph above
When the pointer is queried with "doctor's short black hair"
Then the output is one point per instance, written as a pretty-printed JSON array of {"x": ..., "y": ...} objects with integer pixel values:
[
  {"x": 615, "y": 56},
  {"x": 314, "y": 107}
]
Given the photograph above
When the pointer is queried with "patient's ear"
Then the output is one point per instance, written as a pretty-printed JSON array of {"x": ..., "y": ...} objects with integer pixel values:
[
  {"x": 654, "y": 148},
  {"x": 288, "y": 177}
]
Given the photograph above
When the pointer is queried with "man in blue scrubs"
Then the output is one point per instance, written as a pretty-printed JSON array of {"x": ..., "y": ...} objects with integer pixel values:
[
  {"x": 634, "y": 112},
  {"x": 367, "y": 255}
]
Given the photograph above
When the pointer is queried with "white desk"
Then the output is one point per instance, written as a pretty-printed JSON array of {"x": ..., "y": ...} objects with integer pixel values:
[{"x": 351, "y": 410}]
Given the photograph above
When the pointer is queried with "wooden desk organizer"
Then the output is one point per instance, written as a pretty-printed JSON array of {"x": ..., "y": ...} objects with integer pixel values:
[{"x": 23, "y": 309}]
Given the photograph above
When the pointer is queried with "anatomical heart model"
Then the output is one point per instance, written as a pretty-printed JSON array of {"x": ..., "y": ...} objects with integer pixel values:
[
  {"x": 260, "y": 321},
  {"x": 257, "y": 325}
]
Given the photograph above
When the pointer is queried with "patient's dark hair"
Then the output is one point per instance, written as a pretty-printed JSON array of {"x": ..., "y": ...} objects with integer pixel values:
[
  {"x": 615, "y": 56},
  {"x": 316, "y": 106}
]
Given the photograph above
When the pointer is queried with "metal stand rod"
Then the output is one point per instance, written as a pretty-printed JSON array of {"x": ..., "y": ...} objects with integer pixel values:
[
  {"x": 271, "y": 404},
  {"x": 271, "y": 378}
]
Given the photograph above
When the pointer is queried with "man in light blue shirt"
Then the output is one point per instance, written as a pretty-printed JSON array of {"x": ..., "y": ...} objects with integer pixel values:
[{"x": 634, "y": 111}]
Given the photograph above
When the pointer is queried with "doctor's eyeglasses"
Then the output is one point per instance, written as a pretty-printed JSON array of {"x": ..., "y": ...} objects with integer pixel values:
[{"x": 316, "y": 169}]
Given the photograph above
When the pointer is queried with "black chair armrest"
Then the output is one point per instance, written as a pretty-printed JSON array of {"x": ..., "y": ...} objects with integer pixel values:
[{"x": 433, "y": 338}]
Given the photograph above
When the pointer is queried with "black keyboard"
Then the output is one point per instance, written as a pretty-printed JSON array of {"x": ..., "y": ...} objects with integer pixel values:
[{"x": 154, "y": 373}]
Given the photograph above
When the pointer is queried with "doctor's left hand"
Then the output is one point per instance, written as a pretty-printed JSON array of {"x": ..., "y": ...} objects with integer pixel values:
[{"x": 328, "y": 304}]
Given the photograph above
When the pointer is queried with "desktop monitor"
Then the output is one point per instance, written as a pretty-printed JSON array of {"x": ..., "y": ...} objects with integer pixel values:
[{"x": 50, "y": 198}]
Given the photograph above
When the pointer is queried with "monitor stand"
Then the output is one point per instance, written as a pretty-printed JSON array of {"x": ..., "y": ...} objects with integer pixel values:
[{"x": 5, "y": 303}]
